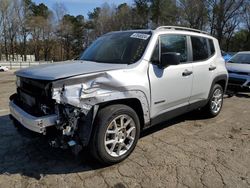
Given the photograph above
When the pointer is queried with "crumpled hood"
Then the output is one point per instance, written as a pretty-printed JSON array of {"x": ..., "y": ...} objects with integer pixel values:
[
  {"x": 66, "y": 69},
  {"x": 237, "y": 67}
]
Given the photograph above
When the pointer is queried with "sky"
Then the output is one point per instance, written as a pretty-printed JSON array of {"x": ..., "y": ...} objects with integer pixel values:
[{"x": 81, "y": 7}]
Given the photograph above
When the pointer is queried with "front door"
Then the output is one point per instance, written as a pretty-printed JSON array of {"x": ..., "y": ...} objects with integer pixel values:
[{"x": 170, "y": 86}]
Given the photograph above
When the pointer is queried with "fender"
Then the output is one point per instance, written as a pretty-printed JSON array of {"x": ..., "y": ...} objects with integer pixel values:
[
  {"x": 222, "y": 77},
  {"x": 89, "y": 105},
  {"x": 75, "y": 96},
  {"x": 87, "y": 91}
]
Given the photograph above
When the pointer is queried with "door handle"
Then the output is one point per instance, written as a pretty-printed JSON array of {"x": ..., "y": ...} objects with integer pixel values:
[
  {"x": 187, "y": 73},
  {"x": 211, "y": 68}
]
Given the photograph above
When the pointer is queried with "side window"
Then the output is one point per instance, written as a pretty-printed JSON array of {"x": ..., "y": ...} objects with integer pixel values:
[
  {"x": 175, "y": 43},
  {"x": 200, "y": 48},
  {"x": 211, "y": 45}
]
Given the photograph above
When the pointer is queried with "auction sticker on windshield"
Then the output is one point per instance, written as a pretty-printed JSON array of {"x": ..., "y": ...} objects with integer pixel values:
[{"x": 142, "y": 36}]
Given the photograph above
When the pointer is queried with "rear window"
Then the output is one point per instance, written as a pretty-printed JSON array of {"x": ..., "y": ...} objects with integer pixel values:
[{"x": 200, "y": 48}]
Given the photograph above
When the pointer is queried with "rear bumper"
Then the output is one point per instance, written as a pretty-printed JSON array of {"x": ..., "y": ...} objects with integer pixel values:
[{"x": 35, "y": 124}]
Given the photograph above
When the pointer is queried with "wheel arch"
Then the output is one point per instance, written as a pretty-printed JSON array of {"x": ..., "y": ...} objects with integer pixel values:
[
  {"x": 134, "y": 103},
  {"x": 221, "y": 80}
]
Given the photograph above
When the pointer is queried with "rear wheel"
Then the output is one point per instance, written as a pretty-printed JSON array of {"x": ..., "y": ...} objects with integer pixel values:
[
  {"x": 116, "y": 133},
  {"x": 215, "y": 102}
]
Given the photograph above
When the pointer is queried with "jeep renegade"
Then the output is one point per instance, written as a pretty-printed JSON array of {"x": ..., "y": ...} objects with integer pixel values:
[{"x": 124, "y": 82}]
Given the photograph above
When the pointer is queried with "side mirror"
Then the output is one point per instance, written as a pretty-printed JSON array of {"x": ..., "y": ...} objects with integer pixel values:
[{"x": 169, "y": 58}]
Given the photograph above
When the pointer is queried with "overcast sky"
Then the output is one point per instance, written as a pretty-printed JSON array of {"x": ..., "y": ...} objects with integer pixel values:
[{"x": 76, "y": 7}]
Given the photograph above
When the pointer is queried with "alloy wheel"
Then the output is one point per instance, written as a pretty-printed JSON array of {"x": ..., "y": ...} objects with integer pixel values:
[
  {"x": 216, "y": 101},
  {"x": 120, "y": 135}
]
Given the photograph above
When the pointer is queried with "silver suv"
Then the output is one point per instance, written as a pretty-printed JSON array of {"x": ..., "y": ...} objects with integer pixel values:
[{"x": 123, "y": 83}]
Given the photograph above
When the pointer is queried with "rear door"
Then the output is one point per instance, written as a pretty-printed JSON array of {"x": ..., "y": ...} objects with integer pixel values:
[{"x": 203, "y": 67}]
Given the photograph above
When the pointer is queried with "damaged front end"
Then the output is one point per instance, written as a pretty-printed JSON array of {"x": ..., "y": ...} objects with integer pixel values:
[
  {"x": 73, "y": 126},
  {"x": 71, "y": 104},
  {"x": 34, "y": 108}
]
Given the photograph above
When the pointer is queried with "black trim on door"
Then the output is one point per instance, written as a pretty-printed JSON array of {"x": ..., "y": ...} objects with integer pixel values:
[
  {"x": 168, "y": 115},
  {"x": 177, "y": 112},
  {"x": 187, "y": 108}
]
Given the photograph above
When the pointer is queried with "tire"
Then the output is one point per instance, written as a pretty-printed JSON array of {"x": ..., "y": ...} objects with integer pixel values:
[
  {"x": 214, "y": 105},
  {"x": 111, "y": 142}
]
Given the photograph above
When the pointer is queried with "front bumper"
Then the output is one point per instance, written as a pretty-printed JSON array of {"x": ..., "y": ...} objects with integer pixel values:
[
  {"x": 237, "y": 82},
  {"x": 35, "y": 124}
]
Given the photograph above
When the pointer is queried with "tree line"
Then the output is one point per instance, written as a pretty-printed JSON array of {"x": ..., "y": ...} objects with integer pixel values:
[{"x": 53, "y": 34}]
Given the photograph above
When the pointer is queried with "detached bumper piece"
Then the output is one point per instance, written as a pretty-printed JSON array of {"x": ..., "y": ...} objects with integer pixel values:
[{"x": 35, "y": 124}]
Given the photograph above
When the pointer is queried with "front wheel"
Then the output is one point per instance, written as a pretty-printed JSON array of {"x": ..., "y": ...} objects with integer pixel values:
[
  {"x": 215, "y": 102},
  {"x": 116, "y": 132}
]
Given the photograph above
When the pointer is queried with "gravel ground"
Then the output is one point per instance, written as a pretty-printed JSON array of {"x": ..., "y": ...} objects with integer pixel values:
[{"x": 189, "y": 151}]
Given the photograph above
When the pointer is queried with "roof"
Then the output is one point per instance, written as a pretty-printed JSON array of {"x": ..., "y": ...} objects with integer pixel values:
[
  {"x": 181, "y": 28},
  {"x": 170, "y": 29}
]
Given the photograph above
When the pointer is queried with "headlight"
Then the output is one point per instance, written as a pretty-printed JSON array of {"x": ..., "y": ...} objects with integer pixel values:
[{"x": 18, "y": 81}]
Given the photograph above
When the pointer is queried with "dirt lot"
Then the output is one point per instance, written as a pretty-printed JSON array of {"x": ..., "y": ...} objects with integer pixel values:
[{"x": 187, "y": 152}]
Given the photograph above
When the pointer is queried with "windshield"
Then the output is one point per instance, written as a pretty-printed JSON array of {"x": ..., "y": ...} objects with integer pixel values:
[
  {"x": 120, "y": 48},
  {"x": 240, "y": 58}
]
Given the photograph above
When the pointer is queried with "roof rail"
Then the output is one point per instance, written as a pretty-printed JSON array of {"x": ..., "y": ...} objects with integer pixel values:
[{"x": 181, "y": 28}]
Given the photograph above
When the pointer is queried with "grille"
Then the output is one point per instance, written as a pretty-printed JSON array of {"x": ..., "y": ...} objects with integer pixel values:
[
  {"x": 31, "y": 94},
  {"x": 33, "y": 87}
]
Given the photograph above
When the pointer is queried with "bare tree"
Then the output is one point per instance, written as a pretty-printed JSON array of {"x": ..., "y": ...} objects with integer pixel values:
[
  {"x": 1, "y": 31},
  {"x": 66, "y": 35},
  {"x": 27, "y": 27},
  {"x": 193, "y": 13},
  {"x": 123, "y": 17},
  {"x": 246, "y": 15},
  {"x": 59, "y": 11},
  {"x": 229, "y": 31},
  {"x": 164, "y": 12},
  {"x": 35, "y": 26},
  {"x": 24, "y": 16},
  {"x": 106, "y": 19},
  {"x": 222, "y": 12},
  {"x": 246, "y": 23},
  {"x": 13, "y": 25},
  {"x": 47, "y": 35},
  {"x": 4, "y": 9},
  {"x": 142, "y": 13}
]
